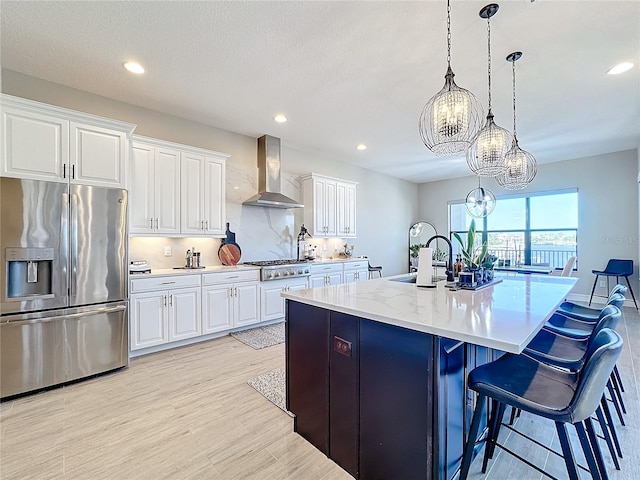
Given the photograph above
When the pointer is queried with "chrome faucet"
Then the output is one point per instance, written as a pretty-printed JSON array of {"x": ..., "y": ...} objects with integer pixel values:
[{"x": 450, "y": 277}]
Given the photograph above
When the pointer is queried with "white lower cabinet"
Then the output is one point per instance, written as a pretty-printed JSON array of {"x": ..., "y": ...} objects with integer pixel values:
[
  {"x": 271, "y": 301},
  {"x": 230, "y": 300},
  {"x": 356, "y": 271},
  {"x": 164, "y": 309},
  {"x": 325, "y": 274}
]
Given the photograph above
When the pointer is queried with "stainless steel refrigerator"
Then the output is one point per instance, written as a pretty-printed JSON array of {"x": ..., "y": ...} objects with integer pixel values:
[{"x": 63, "y": 291}]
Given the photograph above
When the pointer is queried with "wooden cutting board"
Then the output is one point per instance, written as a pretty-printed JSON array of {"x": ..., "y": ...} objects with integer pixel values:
[{"x": 229, "y": 252}]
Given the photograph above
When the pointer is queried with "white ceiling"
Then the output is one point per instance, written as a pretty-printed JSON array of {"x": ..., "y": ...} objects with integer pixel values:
[{"x": 347, "y": 72}]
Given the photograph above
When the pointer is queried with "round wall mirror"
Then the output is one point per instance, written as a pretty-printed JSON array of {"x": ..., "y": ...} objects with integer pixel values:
[{"x": 419, "y": 234}]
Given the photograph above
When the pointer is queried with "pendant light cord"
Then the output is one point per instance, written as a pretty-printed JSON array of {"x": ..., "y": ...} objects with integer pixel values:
[
  {"x": 449, "y": 33},
  {"x": 489, "y": 57},
  {"x": 513, "y": 65}
]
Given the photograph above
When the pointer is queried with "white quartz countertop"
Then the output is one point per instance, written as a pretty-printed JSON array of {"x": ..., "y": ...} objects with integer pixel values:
[
  {"x": 505, "y": 316},
  {"x": 163, "y": 272}
]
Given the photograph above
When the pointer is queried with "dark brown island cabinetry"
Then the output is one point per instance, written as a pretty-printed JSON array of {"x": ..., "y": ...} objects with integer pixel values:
[{"x": 384, "y": 402}]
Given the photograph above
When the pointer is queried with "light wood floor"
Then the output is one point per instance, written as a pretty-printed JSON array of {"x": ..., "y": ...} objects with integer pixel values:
[{"x": 189, "y": 414}]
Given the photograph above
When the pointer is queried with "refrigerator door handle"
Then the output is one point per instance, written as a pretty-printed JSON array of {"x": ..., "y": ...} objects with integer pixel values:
[
  {"x": 74, "y": 246},
  {"x": 64, "y": 240},
  {"x": 32, "y": 321}
]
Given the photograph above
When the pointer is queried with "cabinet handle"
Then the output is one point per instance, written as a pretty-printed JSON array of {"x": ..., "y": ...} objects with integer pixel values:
[
  {"x": 230, "y": 291},
  {"x": 151, "y": 226},
  {"x": 73, "y": 171},
  {"x": 164, "y": 297},
  {"x": 206, "y": 225},
  {"x": 64, "y": 170},
  {"x": 166, "y": 283},
  {"x": 156, "y": 223},
  {"x": 202, "y": 225},
  {"x": 171, "y": 300}
]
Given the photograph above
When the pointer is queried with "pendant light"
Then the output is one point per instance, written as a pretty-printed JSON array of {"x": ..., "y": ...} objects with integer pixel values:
[
  {"x": 452, "y": 117},
  {"x": 485, "y": 156},
  {"x": 480, "y": 202},
  {"x": 520, "y": 165}
]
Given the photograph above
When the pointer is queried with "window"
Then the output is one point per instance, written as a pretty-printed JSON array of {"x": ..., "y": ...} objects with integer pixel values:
[{"x": 538, "y": 229}]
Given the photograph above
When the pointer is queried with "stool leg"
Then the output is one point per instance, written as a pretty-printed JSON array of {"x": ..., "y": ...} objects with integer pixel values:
[
  {"x": 616, "y": 388},
  {"x": 607, "y": 437},
  {"x": 567, "y": 451},
  {"x": 596, "y": 449},
  {"x": 473, "y": 433},
  {"x": 617, "y": 374},
  {"x": 497, "y": 413},
  {"x": 612, "y": 428},
  {"x": 588, "y": 452},
  {"x": 631, "y": 290},
  {"x": 593, "y": 289},
  {"x": 615, "y": 402}
]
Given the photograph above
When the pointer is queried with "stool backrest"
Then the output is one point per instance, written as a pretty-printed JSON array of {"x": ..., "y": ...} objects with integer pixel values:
[
  {"x": 602, "y": 356},
  {"x": 616, "y": 299},
  {"x": 609, "y": 317},
  {"x": 619, "y": 288},
  {"x": 619, "y": 267}
]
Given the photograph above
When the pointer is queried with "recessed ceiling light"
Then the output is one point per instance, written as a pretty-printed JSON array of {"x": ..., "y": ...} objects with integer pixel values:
[
  {"x": 362, "y": 146},
  {"x": 134, "y": 67},
  {"x": 620, "y": 68},
  {"x": 280, "y": 118}
]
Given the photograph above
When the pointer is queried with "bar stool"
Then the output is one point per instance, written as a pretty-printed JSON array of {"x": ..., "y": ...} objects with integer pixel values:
[
  {"x": 580, "y": 326},
  {"x": 575, "y": 310},
  {"x": 372, "y": 270},
  {"x": 556, "y": 349},
  {"x": 615, "y": 268},
  {"x": 562, "y": 396}
]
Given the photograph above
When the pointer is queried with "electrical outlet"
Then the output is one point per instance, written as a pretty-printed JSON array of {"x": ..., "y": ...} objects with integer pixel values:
[
  {"x": 603, "y": 283},
  {"x": 167, "y": 251}
]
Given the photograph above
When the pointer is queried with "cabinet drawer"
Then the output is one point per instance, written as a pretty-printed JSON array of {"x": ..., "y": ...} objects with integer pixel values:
[
  {"x": 326, "y": 268},
  {"x": 164, "y": 283},
  {"x": 363, "y": 265},
  {"x": 231, "y": 277}
]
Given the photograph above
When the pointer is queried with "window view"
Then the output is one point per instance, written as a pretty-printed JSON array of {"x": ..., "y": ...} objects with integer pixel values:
[{"x": 540, "y": 229}]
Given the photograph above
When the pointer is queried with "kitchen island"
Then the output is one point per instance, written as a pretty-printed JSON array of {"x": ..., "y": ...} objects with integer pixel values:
[{"x": 376, "y": 370}]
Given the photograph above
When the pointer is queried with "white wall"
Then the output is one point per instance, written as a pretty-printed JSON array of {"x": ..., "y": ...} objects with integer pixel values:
[
  {"x": 608, "y": 207},
  {"x": 386, "y": 206}
]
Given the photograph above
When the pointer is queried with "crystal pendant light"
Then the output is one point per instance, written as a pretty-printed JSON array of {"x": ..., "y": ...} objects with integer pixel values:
[
  {"x": 485, "y": 156},
  {"x": 480, "y": 202},
  {"x": 452, "y": 117},
  {"x": 520, "y": 165}
]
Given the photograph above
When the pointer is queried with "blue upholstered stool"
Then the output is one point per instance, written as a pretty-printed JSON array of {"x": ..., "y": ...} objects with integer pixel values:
[
  {"x": 562, "y": 396},
  {"x": 615, "y": 268},
  {"x": 569, "y": 352},
  {"x": 580, "y": 326},
  {"x": 575, "y": 310}
]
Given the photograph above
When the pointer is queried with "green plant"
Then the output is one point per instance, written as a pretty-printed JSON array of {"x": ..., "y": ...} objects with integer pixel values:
[
  {"x": 474, "y": 256},
  {"x": 415, "y": 249},
  {"x": 439, "y": 255}
]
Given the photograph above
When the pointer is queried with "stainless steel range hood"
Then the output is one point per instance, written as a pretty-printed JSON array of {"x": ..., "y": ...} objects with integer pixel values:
[{"x": 269, "y": 177}]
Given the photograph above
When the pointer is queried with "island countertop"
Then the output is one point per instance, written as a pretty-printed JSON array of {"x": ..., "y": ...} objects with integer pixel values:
[{"x": 505, "y": 316}]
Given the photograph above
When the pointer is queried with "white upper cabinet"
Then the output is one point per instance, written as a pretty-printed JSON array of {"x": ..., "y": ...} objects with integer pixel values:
[
  {"x": 43, "y": 142},
  {"x": 176, "y": 189},
  {"x": 346, "y": 209},
  {"x": 155, "y": 189},
  {"x": 202, "y": 201},
  {"x": 330, "y": 206}
]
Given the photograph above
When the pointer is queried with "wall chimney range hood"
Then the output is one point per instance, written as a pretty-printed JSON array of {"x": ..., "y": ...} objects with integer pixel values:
[{"x": 269, "y": 177}]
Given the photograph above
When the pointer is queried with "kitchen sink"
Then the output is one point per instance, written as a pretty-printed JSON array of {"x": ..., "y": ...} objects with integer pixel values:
[{"x": 411, "y": 279}]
